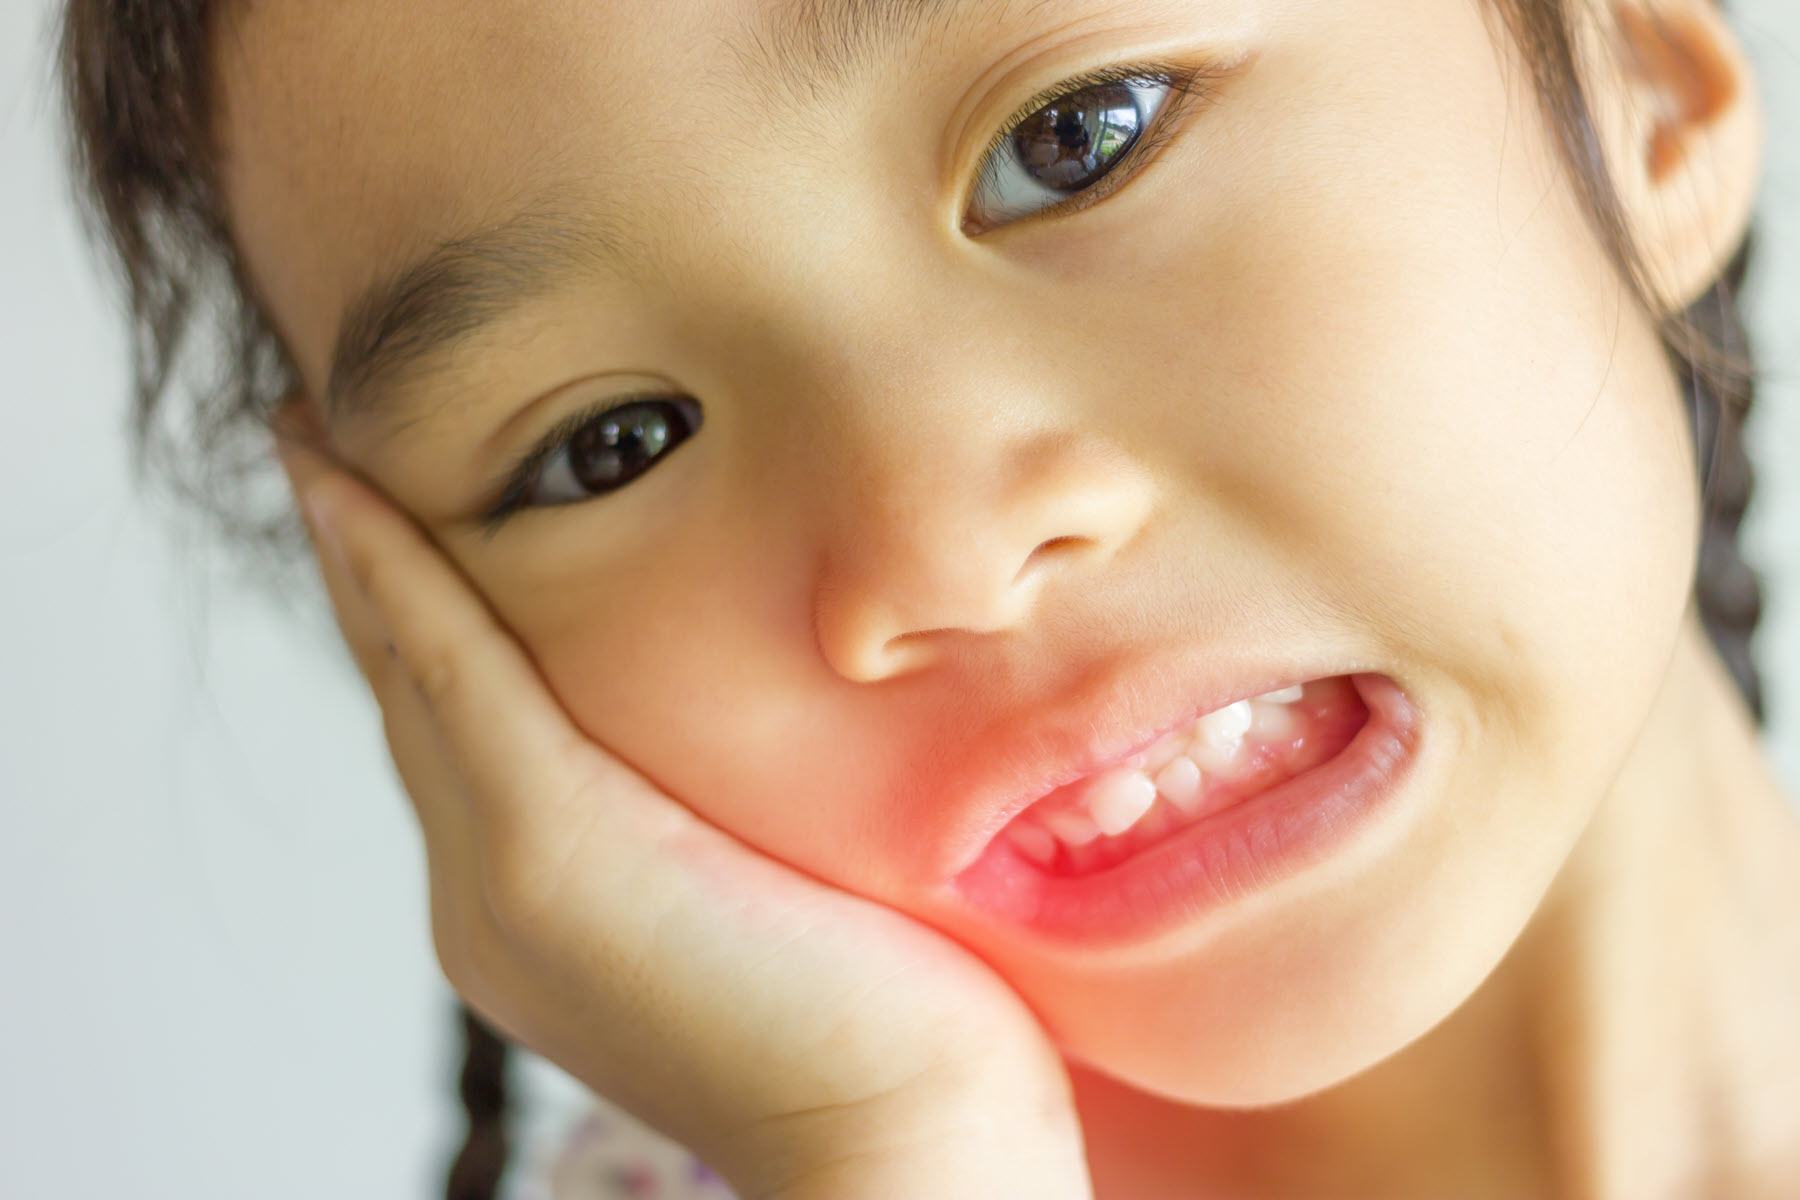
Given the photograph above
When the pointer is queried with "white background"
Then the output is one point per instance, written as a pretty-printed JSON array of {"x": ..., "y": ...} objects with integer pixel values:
[{"x": 216, "y": 978}]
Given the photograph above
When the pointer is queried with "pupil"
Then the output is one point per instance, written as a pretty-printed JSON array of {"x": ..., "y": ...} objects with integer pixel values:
[
  {"x": 1071, "y": 143},
  {"x": 618, "y": 449}
]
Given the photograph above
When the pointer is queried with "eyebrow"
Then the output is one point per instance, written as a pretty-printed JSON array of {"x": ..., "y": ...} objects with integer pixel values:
[
  {"x": 820, "y": 44},
  {"x": 411, "y": 319},
  {"x": 416, "y": 316}
]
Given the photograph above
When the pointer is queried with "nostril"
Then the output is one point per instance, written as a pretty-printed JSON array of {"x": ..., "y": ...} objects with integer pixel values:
[
  {"x": 904, "y": 654},
  {"x": 1056, "y": 547}
]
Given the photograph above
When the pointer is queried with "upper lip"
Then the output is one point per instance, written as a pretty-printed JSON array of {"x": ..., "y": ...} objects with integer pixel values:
[{"x": 1016, "y": 761}]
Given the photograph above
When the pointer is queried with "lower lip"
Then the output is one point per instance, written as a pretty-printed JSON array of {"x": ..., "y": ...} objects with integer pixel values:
[{"x": 1239, "y": 850}]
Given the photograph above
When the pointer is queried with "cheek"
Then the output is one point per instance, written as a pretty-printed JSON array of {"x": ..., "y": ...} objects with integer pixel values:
[
  {"x": 695, "y": 665},
  {"x": 663, "y": 664},
  {"x": 1404, "y": 368},
  {"x": 1450, "y": 428},
  {"x": 1515, "y": 539}
]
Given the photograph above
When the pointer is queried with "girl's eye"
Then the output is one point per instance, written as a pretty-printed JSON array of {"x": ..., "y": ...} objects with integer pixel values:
[
  {"x": 592, "y": 453},
  {"x": 1064, "y": 145}
]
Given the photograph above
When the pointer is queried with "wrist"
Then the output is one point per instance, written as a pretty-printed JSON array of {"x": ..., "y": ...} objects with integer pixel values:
[
  {"x": 965, "y": 1151},
  {"x": 981, "y": 1166}
]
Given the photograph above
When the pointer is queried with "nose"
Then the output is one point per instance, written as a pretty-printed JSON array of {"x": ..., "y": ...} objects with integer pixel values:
[{"x": 939, "y": 543}]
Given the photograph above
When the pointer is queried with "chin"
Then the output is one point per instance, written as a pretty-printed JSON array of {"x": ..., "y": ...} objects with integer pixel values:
[
  {"x": 1261, "y": 1058},
  {"x": 1277, "y": 1011}
]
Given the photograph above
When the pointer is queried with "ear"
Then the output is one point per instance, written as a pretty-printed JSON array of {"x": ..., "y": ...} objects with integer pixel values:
[{"x": 1681, "y": 126}]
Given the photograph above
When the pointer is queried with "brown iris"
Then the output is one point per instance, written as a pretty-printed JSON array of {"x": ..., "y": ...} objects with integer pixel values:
[
  {"x": 621, "y": 445},
  {"x": 1071, "y": 142}
]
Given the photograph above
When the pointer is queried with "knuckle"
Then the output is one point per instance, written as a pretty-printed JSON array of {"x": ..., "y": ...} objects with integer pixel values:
[
  {"x": 370, "y": 595},
  {"x": 439, "y": 679},
  {"x": 518, "y": 895},
  {"x": 452, "y": 956},
  {"x": 530, "y": 863},
  {"x": 470, "y": 961},
  {"x": 450, "y": 942},
  {"x": 365, "y": 570}
]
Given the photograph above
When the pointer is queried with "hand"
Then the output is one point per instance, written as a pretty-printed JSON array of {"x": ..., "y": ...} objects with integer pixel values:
[{"x": 803, "y": 1041}]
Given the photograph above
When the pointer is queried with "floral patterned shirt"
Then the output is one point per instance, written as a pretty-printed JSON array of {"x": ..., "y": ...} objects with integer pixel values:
[{"x": 585, "y": 1149}]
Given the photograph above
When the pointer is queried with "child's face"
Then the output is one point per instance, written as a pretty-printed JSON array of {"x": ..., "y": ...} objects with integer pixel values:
[{"x": 1340, "y": 383}]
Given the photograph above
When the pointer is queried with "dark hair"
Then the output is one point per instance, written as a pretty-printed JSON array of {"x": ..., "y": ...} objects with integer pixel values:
[{"x": 137, "y": 86}]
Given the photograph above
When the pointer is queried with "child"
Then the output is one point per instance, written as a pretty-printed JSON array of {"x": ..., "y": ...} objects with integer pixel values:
[{"x": 1048, "y": 600}]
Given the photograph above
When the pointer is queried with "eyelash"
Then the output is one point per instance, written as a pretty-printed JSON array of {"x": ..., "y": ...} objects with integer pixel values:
[
  {"x": 1184, "y": 82},
  {"x": 518, "y": 478}
]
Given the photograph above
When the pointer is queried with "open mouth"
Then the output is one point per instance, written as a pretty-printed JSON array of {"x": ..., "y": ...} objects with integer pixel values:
[
  {"x": 1222, "y": 759},
  {"x": 1269, "y": 787}
]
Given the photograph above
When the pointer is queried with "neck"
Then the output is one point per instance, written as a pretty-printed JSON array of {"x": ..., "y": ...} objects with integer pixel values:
[{"x": 1637, "y": 1043}]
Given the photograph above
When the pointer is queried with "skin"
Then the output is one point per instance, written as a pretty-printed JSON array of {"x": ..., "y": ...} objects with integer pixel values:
[{"x": 1356, "y": 389}]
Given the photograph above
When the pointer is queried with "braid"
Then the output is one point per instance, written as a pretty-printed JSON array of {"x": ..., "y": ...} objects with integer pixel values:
[
  {"x": 1714, "y": 362},
  {"x": 482, "y": 1160}
]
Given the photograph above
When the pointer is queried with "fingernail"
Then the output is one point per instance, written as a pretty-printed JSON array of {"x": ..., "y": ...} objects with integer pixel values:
[{"x": 321, "y": 514}]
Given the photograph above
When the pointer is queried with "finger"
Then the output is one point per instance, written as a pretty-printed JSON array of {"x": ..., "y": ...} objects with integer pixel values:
[
  {"x": 544, "y": 807},
  {"x": 430, "y": 783},
  {"x": 522, "y": 759},
  {"x": 305, "y": 457},
  {"x": 461, "y": 926},
  {"x": 305, "y": 454}
]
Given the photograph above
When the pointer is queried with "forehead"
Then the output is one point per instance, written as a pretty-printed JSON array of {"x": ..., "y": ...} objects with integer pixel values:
[{"x": 355, "y": 134}]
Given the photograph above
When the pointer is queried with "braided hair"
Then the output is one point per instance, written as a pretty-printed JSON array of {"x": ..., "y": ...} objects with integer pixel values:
[
  {"x": 1725, "y": 587},
  {"x": 137, "y": 90},
  {"x": 475, "y": 1173}
]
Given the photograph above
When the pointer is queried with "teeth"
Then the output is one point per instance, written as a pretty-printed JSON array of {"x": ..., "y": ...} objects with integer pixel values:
[
  {"x": 1271, "y": 720},
  {"x": 1125, "y": 797},
  {"x": 1217, "y": 740},
  {"x": 1033, "y": 841},
  {"x": 1180, "y": 782},
  {"x": 1070, "y": 828},
  {"x": 1226, "y": 724},
  {"x": 1161, "y": 753},
  {"x": 1118, "y": 798},
  {"x": 1212, "y": 757}
]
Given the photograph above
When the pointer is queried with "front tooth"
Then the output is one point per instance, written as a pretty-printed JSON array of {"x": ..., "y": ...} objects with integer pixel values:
[
  {"x": 1226, "y": 724},
  {"x": 1070, "y": 828},
  {"x": 1180, "y": 781},
  {"x": 1159, "y": 755},
  {"x": 1118, "y": 798},
  {"x": 1286, "y": 695},
  {"x": 1033, "y": 841}
]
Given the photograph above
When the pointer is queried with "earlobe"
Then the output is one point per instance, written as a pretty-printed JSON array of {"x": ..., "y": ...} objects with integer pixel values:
[{"x": 1681, "y": 123}]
